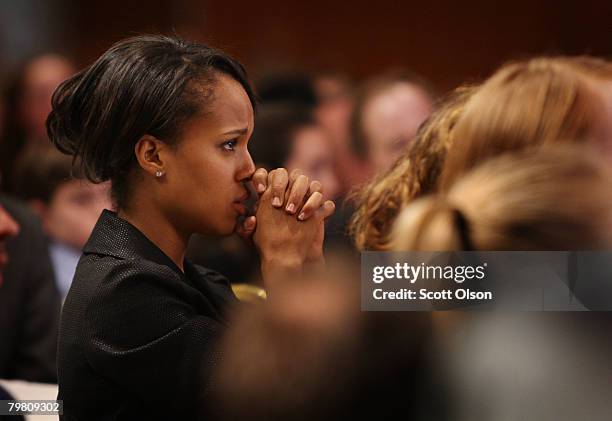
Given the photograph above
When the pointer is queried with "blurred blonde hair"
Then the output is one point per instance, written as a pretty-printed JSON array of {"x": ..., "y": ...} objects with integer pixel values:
[
  {"x": 551, "y": 199},
  {"x": 592, "y": 66},
  {"x": 415, "y": 173},
  {"x": 535, "y": 102}
]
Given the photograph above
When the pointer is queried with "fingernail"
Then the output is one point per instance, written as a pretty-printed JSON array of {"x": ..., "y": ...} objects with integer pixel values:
[
  {"x": 261, "y": 188},
  {"x": 290, "y": 207},
  {"x": 302, "y": 216},
  {"x": 276, "y": 201}
]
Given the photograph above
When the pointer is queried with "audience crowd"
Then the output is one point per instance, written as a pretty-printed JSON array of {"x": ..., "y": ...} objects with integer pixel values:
[{"x": 519, "y": 161}]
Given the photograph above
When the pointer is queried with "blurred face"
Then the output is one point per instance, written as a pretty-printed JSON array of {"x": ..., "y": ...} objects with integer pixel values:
[
  {"x": 1, "y": 115},
  {"x": 312, "y": 153},
  {"x": 207, "y": 170},
  {"x": 334, "y": 110},
  {"x": 41, "y": 77},
  {"x": 390, "y": 121},
  {"x": 8, "y": 229},
  {"x": 604, "y": 131},
  {"x": 74, "y": 210}
]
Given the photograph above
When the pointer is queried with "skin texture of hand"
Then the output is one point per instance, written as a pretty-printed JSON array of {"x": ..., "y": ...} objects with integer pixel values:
[
  {"x": 298, "y": 195},
  {"x": 285, "y": 242}
]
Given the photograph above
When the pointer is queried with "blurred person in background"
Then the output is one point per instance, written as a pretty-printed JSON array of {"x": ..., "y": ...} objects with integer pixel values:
[
  {"x": 332, "y": 113},
  {"x": 415, "y": 173},
  {"x": 388, "y": 112},
  {"x": 67, "y": 206},
  {"x": 28, "y": 103},
  {"x": 525, "y": 104},
  {"x": 8, "y": 229},
  {"x": 29, "y": 301},
  {"x": 295, "y": 131},
  {"x": 533, "y": 103},
  {"x": 311, "y": 354},
  {"x": 288, "y": 135},
  {"x": 513, "y": 202},
  {"x": 540, "y": 366},
  {"x": 2, "y": 111},
  {"x": 287, "y": 87}
]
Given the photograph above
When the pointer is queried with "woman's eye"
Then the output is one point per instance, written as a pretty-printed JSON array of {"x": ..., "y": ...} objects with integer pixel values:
[{"x": 229, "y": 146}]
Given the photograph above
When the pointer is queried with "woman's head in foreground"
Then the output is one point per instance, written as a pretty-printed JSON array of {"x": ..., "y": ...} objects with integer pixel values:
[
  {"x": 533, "y": 103},
  {"x": 525, "y": 104},
  {"x": 167, "y": 121},
  {"x": 556, "y": 198},
  {"x": 313, "y": 355}
]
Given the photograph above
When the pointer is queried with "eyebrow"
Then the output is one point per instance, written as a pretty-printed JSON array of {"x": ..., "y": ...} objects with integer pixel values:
[{"x": 237, "y": 131}]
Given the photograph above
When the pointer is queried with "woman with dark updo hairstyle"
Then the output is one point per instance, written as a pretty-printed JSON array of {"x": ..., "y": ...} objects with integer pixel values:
[{"x": 167, "y": 122}]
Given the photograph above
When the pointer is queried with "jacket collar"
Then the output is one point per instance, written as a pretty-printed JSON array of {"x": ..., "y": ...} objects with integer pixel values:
[{"x": 114, "y": 236}]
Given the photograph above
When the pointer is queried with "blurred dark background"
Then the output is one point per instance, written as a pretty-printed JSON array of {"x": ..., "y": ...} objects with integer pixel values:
[{"x": 446, "y": 41}]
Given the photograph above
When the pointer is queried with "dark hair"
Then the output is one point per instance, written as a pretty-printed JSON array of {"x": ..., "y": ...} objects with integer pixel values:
[
  {"x": 142, "y": 85},
  {"x": 374, "y": 87},
  {"x": 14, "y": 137},
  {"x": 39, "y": 171},
  {"x": 287, "y": 88},
  {"x": 275, "y": 127}
]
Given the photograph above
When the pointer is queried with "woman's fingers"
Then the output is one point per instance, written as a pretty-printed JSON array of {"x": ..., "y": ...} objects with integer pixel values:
[
  {"x": 326, "y": 210},
  {"x": 299, "y": 188},
  {"x": 249, "y": 224},
  {"x": 247, "y": 228},
  {"x": 277, "y": 180},
  {"x": 293, "y": 191},
  {"x": 315, "y": 186},
  {"x": 295, "y": 174},
  {"x": 292, "y": 177},
  {"x": 260, "y": 180},
  {"x": 312, "y": 204}
]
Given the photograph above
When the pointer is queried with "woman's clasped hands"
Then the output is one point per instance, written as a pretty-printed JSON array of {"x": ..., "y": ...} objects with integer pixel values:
[{"x": 288, "y": 227}]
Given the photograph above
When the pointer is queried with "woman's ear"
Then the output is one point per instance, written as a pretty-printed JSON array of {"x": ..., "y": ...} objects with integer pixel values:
[{"x": 149, "y": 154}]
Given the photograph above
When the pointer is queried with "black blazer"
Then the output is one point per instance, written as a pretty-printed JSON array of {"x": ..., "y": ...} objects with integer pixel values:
[{"x": 137, "y": 336}]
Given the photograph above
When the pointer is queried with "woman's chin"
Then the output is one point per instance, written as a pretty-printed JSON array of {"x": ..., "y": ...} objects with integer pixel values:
[{"x": 230, "y": 228}]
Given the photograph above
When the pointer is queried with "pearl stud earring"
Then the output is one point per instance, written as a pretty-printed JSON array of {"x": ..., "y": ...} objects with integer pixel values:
[{"x": 159, "y": 173}]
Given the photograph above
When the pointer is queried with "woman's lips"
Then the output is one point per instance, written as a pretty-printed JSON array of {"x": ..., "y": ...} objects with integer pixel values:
[
  {"x": 244, "y": 197},
  {"x": 240, "y": 208},
  {"x": 240, "y": 203}
]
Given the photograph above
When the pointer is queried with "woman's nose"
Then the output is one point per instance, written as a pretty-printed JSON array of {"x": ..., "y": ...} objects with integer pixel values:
[{"x": 247, "y": 168}]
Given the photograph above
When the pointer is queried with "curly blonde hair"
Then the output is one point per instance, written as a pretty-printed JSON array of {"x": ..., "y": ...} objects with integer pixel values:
[
  {"x": 554, "y": 198},
  {"x": 527, "y": 103},
  {"x": 378, "y": 203}
]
